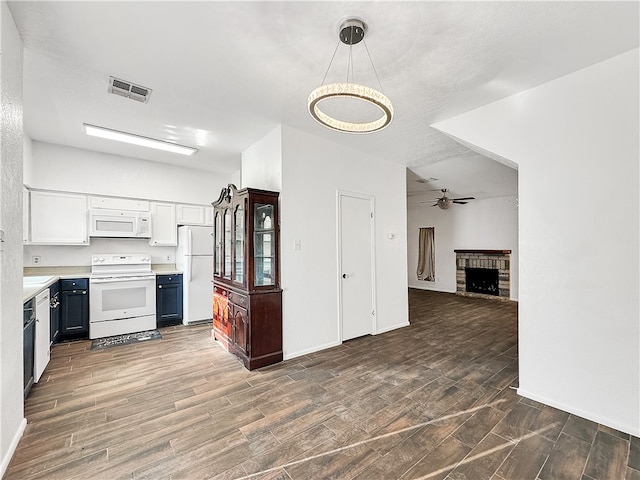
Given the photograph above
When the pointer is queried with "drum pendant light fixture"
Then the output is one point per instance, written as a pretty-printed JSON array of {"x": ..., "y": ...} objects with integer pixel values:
[{"x": 351, "y": 32}]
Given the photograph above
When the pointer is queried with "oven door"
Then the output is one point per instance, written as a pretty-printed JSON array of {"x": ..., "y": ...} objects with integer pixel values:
[{"x": 118, "y": 298}]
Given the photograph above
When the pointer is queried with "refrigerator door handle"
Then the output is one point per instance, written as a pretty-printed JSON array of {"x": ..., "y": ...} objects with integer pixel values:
[{"x": 190, "y": 265}]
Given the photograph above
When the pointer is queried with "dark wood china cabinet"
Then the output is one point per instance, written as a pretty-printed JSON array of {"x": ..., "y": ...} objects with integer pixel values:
[{"x": 247, "y": 299}]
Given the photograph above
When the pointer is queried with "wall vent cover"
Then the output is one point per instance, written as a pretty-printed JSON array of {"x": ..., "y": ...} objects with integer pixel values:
[{"x": 129, "y": 90}]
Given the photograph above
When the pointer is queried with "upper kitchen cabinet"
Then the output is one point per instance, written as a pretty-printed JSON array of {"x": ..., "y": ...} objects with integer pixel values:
[
  {"x": 58, "y": 218},
  {"x": 194, "y": 215},
  {"x": 208, "y": 216},
  {"x": 163, "y": 225},
  {"x": 117, "y": 203}
]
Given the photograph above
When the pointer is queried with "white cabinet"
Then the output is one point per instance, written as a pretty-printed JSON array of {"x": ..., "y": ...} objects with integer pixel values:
[
  {"x": 117, "y": 203},
  {"x": 58, "y": 218},
  {"x": 42, "y": 350},
  {"x": 25, "y": 214},
  {"x": 190, "y": 214},
  {"x": 208, "y": 216},
  {"x": 163, "y": 224}
]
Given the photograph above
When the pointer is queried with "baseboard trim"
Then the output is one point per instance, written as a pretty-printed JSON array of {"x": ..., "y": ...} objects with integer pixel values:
[
  {"x": 393, "y": 327},
  {"x": 430, "y": 288},
  {"x": 288, "y": 356},
  {"x": 12, "y": 447},
  {"x": 581, "y": 413},
  {"x": 204, "y": 321}
]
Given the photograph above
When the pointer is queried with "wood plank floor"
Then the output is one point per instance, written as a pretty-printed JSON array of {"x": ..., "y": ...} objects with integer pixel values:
[{"x": 432, "y": 401}]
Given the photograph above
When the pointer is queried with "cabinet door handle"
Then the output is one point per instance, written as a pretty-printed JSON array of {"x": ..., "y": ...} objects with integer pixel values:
[{"x": 159, "y": 286}]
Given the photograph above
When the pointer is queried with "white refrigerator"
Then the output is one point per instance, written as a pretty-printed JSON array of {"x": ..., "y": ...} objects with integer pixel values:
[{"x": 194, "y": 256}]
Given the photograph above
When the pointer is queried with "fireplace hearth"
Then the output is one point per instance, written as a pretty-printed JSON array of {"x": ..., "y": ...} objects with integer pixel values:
[{"x": 484, "y": 273}]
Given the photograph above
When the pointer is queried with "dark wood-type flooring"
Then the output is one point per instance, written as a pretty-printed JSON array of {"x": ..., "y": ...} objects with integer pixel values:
[{"x": 434, "y": 400}]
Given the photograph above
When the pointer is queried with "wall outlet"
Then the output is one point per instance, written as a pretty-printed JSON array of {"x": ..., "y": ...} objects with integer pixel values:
[
  {"x": 35, "y": 259},
  {"x": 168, "y": 258}
]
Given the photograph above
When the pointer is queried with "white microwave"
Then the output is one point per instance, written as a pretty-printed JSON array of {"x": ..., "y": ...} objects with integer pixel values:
[{"x": 119, "y": 223}]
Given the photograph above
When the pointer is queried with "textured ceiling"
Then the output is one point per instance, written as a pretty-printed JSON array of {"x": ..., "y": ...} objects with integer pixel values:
[{"x": 224, "y": 74}]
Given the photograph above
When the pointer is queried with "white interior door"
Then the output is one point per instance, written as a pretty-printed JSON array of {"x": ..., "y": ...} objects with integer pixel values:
[{"x": 355, "y": 251}]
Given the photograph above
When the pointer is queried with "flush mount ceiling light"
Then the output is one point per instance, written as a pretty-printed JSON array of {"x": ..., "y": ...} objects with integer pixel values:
[
  {"x": 351, "y": 32},
  {"x": 125, "y": 137}
]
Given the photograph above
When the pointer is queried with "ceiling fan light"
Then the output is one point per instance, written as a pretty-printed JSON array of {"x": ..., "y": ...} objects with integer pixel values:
[{"x": 444, "y": 203}]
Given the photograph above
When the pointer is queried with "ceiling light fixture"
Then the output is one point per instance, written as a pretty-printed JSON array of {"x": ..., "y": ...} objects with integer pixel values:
[
  {"x": 125, "y": 137},
  {"x": 351, "y": 32}
]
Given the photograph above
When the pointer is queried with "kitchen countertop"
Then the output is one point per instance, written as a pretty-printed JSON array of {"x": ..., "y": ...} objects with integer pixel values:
[
  {"x": 57, "y": 273},
  {"x": 165, "y": 269},
  {"x": 66, "y": 272},
  {"x": 30, "y": 291}
]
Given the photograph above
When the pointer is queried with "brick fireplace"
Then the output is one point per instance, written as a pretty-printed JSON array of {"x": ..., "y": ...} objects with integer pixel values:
[{"x": 470, "y": 266}]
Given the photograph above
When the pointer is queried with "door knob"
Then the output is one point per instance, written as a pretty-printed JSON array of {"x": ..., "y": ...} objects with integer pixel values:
[{"x": 344, "y": 275}]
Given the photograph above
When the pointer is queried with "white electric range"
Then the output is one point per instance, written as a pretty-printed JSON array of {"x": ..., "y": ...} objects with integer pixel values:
[{"x": 122, "y": 294}]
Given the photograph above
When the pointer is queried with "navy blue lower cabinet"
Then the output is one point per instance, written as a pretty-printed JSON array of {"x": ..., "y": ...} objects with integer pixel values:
[
  {"x": 74, "y": 309},
  {"x": 168, "y": 300}
]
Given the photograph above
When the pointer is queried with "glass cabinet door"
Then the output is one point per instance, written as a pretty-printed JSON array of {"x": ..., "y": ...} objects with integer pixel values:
[
  {"x": 238, "y": 273},
  {"x": 227, "y": 243},
  {"x": 217, "y": 262},
  {"x": 264, "y": 245}
]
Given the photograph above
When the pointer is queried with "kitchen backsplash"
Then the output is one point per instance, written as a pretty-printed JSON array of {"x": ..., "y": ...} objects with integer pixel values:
[{"x": 72, "y": 255}]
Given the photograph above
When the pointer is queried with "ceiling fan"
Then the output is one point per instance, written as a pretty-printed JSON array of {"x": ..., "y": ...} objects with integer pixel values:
[{"x": 445, "y": 202}]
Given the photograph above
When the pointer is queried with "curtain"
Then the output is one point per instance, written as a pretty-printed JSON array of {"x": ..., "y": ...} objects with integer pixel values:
[{"x": 426, "y": 255}]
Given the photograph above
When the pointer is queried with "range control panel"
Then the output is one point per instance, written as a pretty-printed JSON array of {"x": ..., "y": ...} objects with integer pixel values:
[{"x": 121, "y": 259}]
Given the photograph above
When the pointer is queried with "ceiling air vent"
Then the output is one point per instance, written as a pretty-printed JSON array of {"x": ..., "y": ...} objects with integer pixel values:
[{"x": 129, "y": 90}]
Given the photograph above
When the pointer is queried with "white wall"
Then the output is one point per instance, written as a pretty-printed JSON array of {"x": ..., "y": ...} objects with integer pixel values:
[
  {"x": 490, "y": 224},
  {"x": 27, "y": 163},
  {"x": 313, "y": 170},
  {"x": 262, "y": 162},
  {"x": 576, "y": 142},
  {"x": 12, "y": 421},
  {"x": 57, "y": 167}
]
